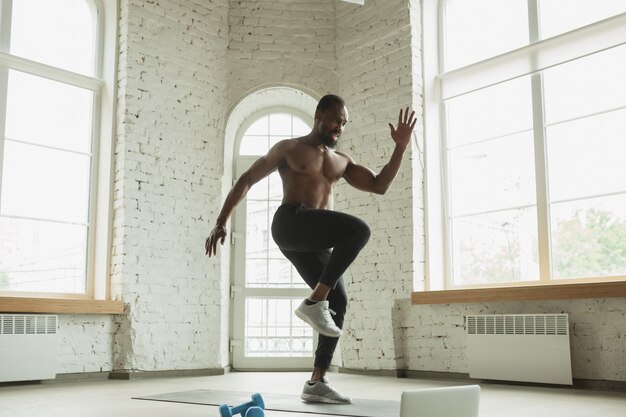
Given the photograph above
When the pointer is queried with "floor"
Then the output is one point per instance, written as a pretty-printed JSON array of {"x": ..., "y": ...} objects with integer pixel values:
[{"x": 112, "y": 398}]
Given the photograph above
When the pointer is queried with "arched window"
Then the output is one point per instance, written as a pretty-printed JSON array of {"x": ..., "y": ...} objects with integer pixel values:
[{"x": 51, "y": 88}]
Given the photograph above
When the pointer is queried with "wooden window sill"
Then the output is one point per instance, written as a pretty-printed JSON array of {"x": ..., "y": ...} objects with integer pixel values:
[
  {"x": 59, "y": 306},
  {"x": 525, "y": 293}
]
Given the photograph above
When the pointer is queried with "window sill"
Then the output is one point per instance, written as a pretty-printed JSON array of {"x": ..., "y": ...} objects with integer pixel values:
[
  {"x": 526, "y": 293},
  {"x": 60, "y": 306}
]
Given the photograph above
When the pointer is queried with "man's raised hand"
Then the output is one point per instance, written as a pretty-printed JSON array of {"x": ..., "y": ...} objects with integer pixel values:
[{"x": 402, "y": 134}]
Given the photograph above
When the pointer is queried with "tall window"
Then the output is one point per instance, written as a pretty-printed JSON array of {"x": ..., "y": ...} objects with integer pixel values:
[
  {"x": 533, "y": 114},
  {"x": 49, "y": 92}
]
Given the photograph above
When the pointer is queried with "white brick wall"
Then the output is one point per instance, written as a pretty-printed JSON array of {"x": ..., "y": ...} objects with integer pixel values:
[
  {"x": 281, "y": 43},
  {"x": 171, "y": 111},
  {"x": 85, "y": 343}
]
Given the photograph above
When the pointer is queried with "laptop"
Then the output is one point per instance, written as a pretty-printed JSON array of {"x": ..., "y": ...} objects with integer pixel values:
[{"x": 458, "y": 401}]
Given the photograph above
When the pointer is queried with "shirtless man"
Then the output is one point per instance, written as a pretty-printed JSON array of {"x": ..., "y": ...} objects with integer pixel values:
[{"x": 320, "y": 243}]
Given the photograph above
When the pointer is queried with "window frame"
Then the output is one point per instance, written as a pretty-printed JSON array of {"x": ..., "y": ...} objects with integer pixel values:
[
  {"x": 528, "y": 60},
  {"x": 100, "y": 220}
]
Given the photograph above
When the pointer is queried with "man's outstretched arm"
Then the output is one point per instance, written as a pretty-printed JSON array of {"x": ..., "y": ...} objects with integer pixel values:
[
  {"x": 364, "y": 178},
  {"x": 260, "y": 169}
]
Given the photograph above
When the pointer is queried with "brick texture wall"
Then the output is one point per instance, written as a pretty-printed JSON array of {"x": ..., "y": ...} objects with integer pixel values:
[
  {"x": 281, "y": 42},
  {"x": 85, "y": 343},
  {"x": 171, "y": 110}
]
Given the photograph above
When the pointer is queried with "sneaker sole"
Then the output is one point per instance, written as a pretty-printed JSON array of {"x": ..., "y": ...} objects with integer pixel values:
[
  {"x": 306, "y": 320},
  {"x": 309, "y": 398}
]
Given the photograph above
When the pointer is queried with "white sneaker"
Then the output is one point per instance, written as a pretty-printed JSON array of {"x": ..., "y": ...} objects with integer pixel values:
[
  {"x": 322, "y": 392},
  {"x": 318, "y": 317}
]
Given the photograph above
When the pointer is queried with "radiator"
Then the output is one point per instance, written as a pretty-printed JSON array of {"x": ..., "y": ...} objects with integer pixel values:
[
  {"x": 28, "y": 347},
  {"x": 520, "y": 347}
]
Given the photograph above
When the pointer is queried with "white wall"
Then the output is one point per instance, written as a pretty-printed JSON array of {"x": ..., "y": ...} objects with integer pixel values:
[
  {"x": 281, "y": 43},
  {"x": 171, "y": 110},
  {"x": 86, "y": 343},
  {"x": 183, "y": 66}
]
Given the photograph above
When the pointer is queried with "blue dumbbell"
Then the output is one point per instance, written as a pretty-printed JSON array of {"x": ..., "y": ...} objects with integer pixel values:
[
  {"x": 255, "y": 412},
  {"x": 252, "y": 408}
]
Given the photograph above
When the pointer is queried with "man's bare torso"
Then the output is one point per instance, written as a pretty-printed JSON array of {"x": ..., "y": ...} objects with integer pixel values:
[{"x": 309, "y": 173}]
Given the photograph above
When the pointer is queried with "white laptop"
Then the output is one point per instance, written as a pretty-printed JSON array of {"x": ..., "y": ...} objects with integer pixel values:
[{"x": 458, "y": 401}]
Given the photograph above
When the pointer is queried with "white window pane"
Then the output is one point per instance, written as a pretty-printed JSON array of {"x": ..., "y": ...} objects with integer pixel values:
[
  {"x": 496, "y": 247},
  {"x": 256, "y": 272},
  {"x": 279, "y": 271},
  {"x": 586, "y": 156},
  {"x": 300, "y": 128},
  {"x": 273, "y": 330},
  {"x": 257, "y": 229},
  {"x": 589, "y": 237},
  {"x": 42, "y": 256},
  {"x": 259, "y": 127},
  {"x": 60, "y": 33},
  {"x": 280, "y": 124},
  {"x": 555, "y": 19},
  {"x": 48, "y": 112},
  {"x": 273, "y": 251},
  {"x": 45, "y": 183},
  {"x": 259, "y": 190},
  {"x": 490, "y": 175},
  {"x": 253, "y": 145},
  {"x": 260, "y": 136},
  {"x": 585, "y": 86},
  {"x": 275, "y": 139},
  {"x": 491, "y": 112},
  {"x": 480, "y": 29},
  {"x": 266, "y": 267}
]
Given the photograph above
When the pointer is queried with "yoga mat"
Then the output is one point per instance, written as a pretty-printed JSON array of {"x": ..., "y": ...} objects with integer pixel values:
[{"x": 277, "y": 402}]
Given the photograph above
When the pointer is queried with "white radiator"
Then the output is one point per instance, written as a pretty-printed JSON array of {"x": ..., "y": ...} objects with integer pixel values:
[
  {"x": 519, "y": 347},
  {"x": 28, "y": 347}
]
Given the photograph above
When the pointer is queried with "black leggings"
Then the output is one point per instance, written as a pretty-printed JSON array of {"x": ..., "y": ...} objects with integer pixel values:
[{"x": 321, "y": 245}]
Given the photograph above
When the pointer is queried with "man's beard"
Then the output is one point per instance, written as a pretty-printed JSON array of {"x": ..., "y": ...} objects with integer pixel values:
[{"x": 328, "y": 141}]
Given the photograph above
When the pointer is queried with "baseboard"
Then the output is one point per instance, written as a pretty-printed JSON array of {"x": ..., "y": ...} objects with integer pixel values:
[
  {"x": 69, "y": 377},
  {"x": 586, "y": 384},
  {"x": 369, "y": 372},
  {"x": 122, "y": 375},
  {"x": 82, "y": 376},
  {"x": 137, "y": 374},
  {"x": 599, "y": 385},
  {"x": 447, "y": 376},
  {"x": 407, "y": 373}
]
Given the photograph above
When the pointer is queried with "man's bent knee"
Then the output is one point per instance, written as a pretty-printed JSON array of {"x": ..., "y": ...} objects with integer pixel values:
[{"x": 363, "y": 231}]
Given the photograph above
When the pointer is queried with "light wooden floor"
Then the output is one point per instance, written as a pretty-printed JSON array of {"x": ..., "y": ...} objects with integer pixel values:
[{"x": 112, "y": 398}]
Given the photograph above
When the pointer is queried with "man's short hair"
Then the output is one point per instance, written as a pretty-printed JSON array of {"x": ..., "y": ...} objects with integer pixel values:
[{"x": 329, "y": 101}]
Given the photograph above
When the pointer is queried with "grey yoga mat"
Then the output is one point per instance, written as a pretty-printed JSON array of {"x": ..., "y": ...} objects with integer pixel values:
[{"x": 278, "y": 402}]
